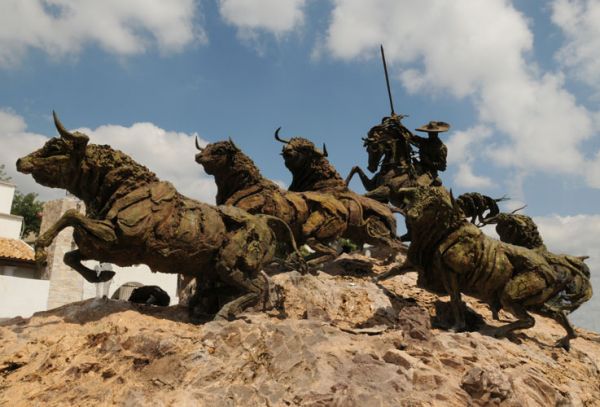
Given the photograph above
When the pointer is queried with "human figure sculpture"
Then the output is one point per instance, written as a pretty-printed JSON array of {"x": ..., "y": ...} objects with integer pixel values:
[{"x": 432, "y": 151}]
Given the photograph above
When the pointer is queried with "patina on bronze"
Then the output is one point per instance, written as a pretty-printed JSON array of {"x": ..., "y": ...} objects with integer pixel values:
[
  {"x": 370, "y": 221},
  {"x": 132, "y": 217},
  {"x": 315, "y": 219},
  {"x": 453, "y": 256},
  {"x": 521, "y": 230}
]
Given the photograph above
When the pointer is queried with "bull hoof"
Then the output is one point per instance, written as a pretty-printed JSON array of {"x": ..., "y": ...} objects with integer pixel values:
[
  {"x": 564, "y": 343},
  {"x": 105, "y": 275},
  {"x": 41, "y": 257}
]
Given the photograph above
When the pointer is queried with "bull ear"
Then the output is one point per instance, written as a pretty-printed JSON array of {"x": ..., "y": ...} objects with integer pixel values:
[{"x": 79, "y": 140}]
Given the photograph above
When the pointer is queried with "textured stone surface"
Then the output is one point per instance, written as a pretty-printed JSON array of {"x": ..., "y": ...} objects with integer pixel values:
[
  {"x": 344, "y": 342},
  {"x": 66, "y": 285}
]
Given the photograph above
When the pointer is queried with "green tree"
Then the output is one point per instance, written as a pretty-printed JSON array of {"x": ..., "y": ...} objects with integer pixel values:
[
  {"x": 27, "y": 206},
  {"x": 3, "y": 175}
]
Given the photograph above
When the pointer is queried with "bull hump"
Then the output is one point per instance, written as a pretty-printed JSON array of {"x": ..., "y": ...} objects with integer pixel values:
[{"x": 162, "y": 191}]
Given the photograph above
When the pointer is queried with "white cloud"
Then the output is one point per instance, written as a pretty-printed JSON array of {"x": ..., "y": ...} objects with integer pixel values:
[
  {"x": 476, "y": 50},
  {"x": 169, "y": 154},
  {"x": 464, "y": 148},
  {"x": 61, "y": 27},
  {"x": 254, "y": 16},
  {"x": 579, "y": 21}
]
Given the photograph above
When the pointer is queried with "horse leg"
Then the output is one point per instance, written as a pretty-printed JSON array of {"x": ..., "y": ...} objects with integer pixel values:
[
  {"x": 367, "y": 182},
  {"x": 102, "y": 230},
  {"x": 73, "y": 259}
]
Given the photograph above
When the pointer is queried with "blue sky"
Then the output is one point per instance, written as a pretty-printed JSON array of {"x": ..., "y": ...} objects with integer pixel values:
[{"x": 517, "y": 80}]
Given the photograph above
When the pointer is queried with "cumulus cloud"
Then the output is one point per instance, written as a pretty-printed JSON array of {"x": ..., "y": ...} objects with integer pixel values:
[
  {"x": 169, "y": 154},
  {"x": 60, "y": 27},
  {"x": 579, "y": 22},
  {"x": 252, "y": 17},
  {"x": 475, "y": 50},
  {"x": 464, "y": 148}
]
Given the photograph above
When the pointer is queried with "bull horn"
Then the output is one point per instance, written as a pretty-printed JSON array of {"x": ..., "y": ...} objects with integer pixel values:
[
  {"x": 281, "y": 140},
  {"x": 452, "y": 200},
  {"x": 233, "y": 144},
  {"x": 198, "y": 145},
  {"x": 325, "y": 154},
  {"x": 76, "y": 138},
  {"x": 60, "y": 127}
]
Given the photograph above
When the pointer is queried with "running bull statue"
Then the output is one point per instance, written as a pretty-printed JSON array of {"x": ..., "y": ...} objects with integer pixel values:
[
  {"x": 132, "y": 217},
  {"x": 453, "y": 256}
]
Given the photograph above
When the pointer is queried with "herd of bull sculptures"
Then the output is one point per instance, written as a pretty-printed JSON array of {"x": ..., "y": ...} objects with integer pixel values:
[{"x": 133, "y": 217}]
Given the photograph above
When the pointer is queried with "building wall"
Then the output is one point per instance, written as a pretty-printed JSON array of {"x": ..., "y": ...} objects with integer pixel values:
[
  {"x": 22, "y": 296},
  {"x": 67, "y": 285},
  {"x": 10, "y": 226},
  {"x": 7, "y": 192}
]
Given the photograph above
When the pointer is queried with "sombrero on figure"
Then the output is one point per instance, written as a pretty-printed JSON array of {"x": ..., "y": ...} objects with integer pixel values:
[{"x": 434, "y": 127}]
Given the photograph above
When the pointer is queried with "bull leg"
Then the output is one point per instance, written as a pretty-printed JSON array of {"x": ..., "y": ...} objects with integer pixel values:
[
  {"x": 394, "y": 271},
  {"x": 522, "y": 290},
  {"x": 458, "y": 307},
  {"x": 102, "y": 230},
  {"x": 73, "y": 259},
  {"x": 561, "y": 318},
  {"x": 253, "y": 286}
]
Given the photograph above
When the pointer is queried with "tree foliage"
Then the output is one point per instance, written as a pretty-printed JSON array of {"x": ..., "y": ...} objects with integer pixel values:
[
  {"x": 3, "y": 175},
  {"x": 27, "y": 206}
]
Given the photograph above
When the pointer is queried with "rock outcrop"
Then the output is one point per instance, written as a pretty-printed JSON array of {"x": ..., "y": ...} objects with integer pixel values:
[{"x": 341, "y": 341}]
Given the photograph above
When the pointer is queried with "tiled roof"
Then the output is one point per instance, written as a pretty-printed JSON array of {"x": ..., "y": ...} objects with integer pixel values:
[{"x": 13, "y": 249}]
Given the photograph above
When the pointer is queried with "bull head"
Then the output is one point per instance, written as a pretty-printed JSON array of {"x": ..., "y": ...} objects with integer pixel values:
[{"x": 57, "y": 163}]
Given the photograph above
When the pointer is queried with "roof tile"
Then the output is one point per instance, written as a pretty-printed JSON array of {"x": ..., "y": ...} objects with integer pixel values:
[{"x": 13, "y": 249}]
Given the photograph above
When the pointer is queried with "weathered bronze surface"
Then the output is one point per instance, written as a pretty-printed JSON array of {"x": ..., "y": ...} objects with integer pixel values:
[
  {"x": 454, "y": 256},
  {"x": 521, "y": 230},
  {"x": 390, "y": 154},
  {"x": 370, "y": 221},
  {"x": 315, "y": 219},
  {"x": 479, "y": 207},
  {"x": 132, "y": 217}
]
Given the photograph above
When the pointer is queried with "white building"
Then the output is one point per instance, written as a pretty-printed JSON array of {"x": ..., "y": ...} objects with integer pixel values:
[{"x": 25, "y": 289}]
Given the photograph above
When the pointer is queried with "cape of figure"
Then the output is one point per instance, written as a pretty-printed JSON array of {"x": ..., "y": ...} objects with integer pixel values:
[
  {"x": 315, "y": 219},
  {"x": 132, "y": 217},
  {"x": 453, "y": 256},
  {"x": 370, "y": 221}
]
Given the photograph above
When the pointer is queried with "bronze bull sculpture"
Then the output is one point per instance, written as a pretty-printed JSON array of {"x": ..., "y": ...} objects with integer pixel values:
[
  {"x": 371, "y": 222},
  {"x": 132, "y": 217},
  {"x": 315, "y": 219},
  {"x": 453, "y": 256}
]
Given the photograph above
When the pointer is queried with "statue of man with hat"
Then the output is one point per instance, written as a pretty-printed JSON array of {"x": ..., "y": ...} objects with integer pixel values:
[{"x": 432, "y": 151}]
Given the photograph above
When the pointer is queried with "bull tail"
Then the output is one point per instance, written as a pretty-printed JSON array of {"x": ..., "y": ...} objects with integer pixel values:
[{"x": 289, "y": 252}]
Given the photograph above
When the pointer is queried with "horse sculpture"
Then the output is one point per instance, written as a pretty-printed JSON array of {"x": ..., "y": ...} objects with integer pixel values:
[
  {"x": 453, "y": 256},
  {"x": 315, "y": 219},
  {"x": 132, "y": 217},
  {"x": 390, "y": 158},
  {"x": 370, "y": 221}
]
